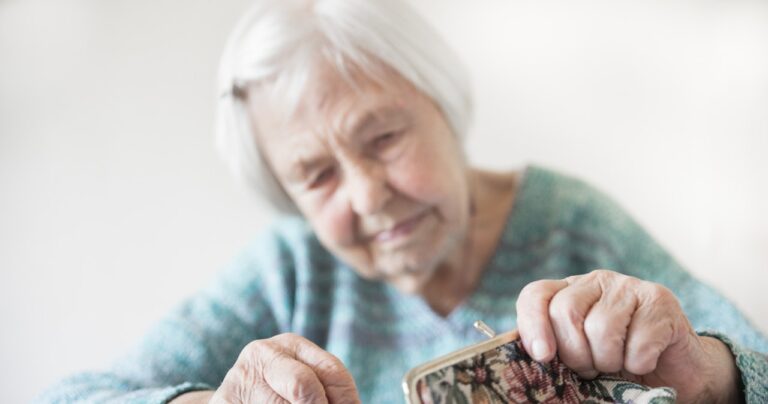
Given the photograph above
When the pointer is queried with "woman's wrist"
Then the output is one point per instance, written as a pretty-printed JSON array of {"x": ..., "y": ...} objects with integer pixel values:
[
  {"x": 194, "y": 397},
  {"x": 724, "y": 376}
]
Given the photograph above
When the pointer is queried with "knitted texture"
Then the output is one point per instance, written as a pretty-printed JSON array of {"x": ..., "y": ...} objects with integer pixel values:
[
  {"x": 752, "y": 365},
  {"x": 287, "y": 282}
]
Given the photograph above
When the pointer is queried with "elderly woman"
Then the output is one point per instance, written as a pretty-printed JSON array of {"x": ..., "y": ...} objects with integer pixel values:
[{"x": 349, "y": 115}]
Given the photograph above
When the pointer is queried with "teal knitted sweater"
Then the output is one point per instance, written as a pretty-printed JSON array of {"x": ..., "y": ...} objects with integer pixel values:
[{"x": 287, "y": 282}]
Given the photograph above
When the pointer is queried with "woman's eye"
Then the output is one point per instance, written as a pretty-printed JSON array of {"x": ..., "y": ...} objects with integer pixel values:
[
  {"x": 323, "y": 177},
  {"x": 382, "y": 141}
]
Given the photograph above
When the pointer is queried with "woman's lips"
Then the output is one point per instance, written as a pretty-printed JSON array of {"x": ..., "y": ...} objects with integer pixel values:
[{"x": 401, "y": 229}]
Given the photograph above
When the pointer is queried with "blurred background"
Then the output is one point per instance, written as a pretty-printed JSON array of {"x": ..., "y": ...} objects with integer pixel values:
[{"x": 114, "y": 205}]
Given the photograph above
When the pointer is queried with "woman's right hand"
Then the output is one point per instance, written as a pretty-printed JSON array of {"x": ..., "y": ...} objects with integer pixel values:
[{"x": 286, "y": 369}]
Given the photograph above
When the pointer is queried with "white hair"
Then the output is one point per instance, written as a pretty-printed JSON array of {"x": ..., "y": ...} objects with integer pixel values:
[{"x": 278, "y": 41}]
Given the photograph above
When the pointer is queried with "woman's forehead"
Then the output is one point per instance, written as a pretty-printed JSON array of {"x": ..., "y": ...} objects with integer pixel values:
[
  {"x": 332, "y": 104},
  {"x": 325, "y": 87},
  {"x": 340, "y": 126},
  {"x": 348, "y": 98}
]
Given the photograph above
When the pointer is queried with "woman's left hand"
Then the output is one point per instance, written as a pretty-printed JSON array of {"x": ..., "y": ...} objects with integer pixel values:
[{"x": 606, "y": 322}]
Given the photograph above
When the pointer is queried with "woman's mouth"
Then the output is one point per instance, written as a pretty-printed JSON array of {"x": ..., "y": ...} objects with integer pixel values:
[{"x": 401, "y": 229}]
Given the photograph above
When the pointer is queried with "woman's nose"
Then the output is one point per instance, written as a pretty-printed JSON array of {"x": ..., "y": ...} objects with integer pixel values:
[{"x": 367, "y": 189}]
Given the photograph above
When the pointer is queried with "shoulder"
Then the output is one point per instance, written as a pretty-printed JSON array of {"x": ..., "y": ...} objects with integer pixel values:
[
  {"x": 286, "y": 244},
  {"x": 274, "y": 267},
  {"x": 550, "y": 200},
  {"x": 284, "y": 236},
  {"x": 583, "y": 222},
  {"x": 278, "y": 254},
  {"x": 591, "y": 226}
]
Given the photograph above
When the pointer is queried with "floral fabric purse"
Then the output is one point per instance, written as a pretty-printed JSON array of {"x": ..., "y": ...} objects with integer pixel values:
[{"x": 500, "y": 371}]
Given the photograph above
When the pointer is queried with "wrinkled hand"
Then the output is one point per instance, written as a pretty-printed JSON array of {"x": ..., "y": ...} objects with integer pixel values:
[
  {"x": 606, "y": 322},
  {"x": 286, "y": 369}
]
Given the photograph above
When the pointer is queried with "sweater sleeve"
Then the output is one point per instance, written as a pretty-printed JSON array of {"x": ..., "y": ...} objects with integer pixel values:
[
  {"x": 631, "y": 250},
  {"x": 194, "y": 347}
]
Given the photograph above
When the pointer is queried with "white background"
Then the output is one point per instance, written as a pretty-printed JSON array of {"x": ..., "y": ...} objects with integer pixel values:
[{"x": 114, "y": 205}]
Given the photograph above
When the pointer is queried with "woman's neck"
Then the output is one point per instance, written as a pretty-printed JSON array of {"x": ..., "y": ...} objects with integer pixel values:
[{"x": 456, "y": 278}]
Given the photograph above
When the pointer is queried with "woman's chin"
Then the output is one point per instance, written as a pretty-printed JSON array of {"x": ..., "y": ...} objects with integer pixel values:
[{"x": 407, "y": 280}]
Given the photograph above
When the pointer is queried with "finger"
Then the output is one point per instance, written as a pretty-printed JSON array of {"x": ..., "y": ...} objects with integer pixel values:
[
  {"x": 533, "y": 321},
  {"x": 263, "y": 393},
  {"x": 294, "y": 381},
  {"x": 338, "y": 383},
  {"x": 567, "y": 312},
  {"x": 651, "y": 331},
  {"x": 606, "y": 326},
  {"x": 241, "y": 385}
]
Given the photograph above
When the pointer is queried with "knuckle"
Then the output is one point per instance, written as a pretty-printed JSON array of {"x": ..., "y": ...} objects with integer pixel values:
[
  {"x": 598, "y": 329},
  {"x": 607, "y": 278},
  {"x": 604, "y": 331},
  {"x": 239, "y": 382},
  {"x": 252, "y": 352},
  {"x": 602, "y": 274},
  {"x": 332, "y": 366},
  {"x": 659, "y": 295},
  {"x": 532, "y": 290},
  {"x": 532, "y": 298},
  {"x": 285, "y": 337},
  {"x": 305, "y": 389},
  {"x": 272, "y": 361},
  {"x": 253, "y": 346},
  {"x": 628, "y": 283},
  {"x": 242, "y": 372},
  {"x": 294, "y": 342},
  {"x": 573, "y": 348},
  {"x": 259, "y": 354},
  {"x": 563, "y": 310},
  {"x": 643, "y": 361}
]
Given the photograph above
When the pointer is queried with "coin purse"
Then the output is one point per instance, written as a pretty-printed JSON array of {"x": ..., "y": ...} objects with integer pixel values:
[{"x": 499, "y": 370}]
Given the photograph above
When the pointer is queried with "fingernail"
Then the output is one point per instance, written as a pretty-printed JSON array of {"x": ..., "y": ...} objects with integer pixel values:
[{"x": 540, "y": 349}]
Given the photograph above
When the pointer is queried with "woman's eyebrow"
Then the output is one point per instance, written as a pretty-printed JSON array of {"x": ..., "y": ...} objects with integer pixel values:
[
  {"x": 371, "y": 118},
  {"x": 301, "y": 168}
]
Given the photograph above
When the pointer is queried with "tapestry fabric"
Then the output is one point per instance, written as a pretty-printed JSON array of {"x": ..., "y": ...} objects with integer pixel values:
[{"x": 507, "y": 374}]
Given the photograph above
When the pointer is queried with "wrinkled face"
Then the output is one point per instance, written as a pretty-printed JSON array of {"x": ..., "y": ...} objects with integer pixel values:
[{"x": 376, "y": 171}]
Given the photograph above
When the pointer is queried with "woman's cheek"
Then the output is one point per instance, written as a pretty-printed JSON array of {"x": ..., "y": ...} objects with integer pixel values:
[
  {"x": 336, "y": 228},
  {"x": 417, "y": 178},
  {"x": 336, "y": 222}
]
